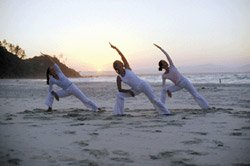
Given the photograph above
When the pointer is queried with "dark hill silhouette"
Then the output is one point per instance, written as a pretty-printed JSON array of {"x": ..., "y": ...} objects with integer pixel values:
[{"x": 12, "y": 66}]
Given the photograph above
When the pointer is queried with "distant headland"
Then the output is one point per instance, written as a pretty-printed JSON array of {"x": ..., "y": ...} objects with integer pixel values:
[{"x": 12, "y": 64}]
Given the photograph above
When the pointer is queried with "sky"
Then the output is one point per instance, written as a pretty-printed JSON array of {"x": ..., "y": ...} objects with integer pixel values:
[{"x": 193, "y": 32}]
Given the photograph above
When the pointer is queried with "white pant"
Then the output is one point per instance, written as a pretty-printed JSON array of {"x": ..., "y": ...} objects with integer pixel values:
[
  {"x": 72, "y": 90},
  {"x": 185, "y": 83},
  {"x": 144, "y": 88}
]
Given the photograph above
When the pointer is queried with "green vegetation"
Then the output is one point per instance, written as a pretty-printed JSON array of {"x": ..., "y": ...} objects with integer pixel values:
[{"x": 13, "y": 64}]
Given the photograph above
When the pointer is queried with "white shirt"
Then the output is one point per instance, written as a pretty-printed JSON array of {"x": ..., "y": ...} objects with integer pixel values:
[
  {"x": 131, "y": 79},
  {"x": 174, "y": 75},
  {"x": 62, "y": 82}
]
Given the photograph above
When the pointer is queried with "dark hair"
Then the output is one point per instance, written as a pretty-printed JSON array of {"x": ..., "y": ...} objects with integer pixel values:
[
  {"x": 115, "y": 62},
  {"x": 160, "y": 64},
  {"x": 47, "y": 75}
]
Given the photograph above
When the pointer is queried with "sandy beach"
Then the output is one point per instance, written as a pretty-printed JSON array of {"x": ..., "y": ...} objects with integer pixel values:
[{"x": 73, "y": 135}]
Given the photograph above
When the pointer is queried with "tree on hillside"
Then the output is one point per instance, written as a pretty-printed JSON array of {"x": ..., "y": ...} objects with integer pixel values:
[
  {"x": 22, "y": 54},
  {"x": 17, "y": 50},
  {"x": 11, "y": 47},
  {"x": 4, "y": 42}
]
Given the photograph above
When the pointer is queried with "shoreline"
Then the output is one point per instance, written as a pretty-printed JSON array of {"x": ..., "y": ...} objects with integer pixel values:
[{"x": 76, "y": 80}]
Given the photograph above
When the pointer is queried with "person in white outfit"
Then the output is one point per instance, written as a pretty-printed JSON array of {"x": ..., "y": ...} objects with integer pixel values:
[
  {"x": 126, "y": 75},
  {"x": 179, "y": 81},
  {"x": 55, "y": 76}
]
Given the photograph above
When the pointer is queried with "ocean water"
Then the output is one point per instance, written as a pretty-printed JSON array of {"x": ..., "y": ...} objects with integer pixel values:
[
  {"x": 214, "y": 78},
  {"x": 208, "y": 78}
]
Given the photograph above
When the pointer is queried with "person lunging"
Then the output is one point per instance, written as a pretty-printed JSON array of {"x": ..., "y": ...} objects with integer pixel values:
[
  {"x": 126, "y": 75},
  {"x": 55, "y": 76},
  {"x": 179, "y": 81}
]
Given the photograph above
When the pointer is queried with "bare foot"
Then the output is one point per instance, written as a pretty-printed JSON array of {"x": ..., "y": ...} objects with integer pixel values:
[
  {"x": 169, "y": 93},
  {"x": 100, "y": 110},
  {"x": 49, "y": 109}
]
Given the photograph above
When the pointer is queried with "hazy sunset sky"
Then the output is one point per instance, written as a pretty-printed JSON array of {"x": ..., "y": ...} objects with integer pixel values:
[{"x": 193, "y": 32}]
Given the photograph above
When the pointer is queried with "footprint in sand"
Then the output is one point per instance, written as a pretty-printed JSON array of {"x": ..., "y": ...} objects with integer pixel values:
[
  {"x": 245, "y": 127},
  {"x": 162, "y": 155},
  {"x": 71, "y": 114},
  {"x": 82, "y": 143},
  {"x": 85, "y": 117},
  {"x": 35, "y": 125},
  {"x": 174, "y": 153},
  {"x": 120, "y": 153},
  {"x": 69, "y": 132},
  {"x": 182, "y": 162},
  {"x": 151, "y": 131},
  {"x": 134, "y": 123},
  {"x": 78, "y": 124},
  {"x": 235, "y": 134},
  {"x": 116, "y": 122},
  {"x": 218, "y": 143},
  {"x": 14, "y": 161},
  {"x": 175, "y": 123},
  {"x": 32, "y": 111},
  {"x": 97, "y": 153},
  {"x": 85, "y": 162},
  {"x": 199, "y": 133},
  {"x": 194, "y": 153},
  {"x": 66, "y": 158},
  {"x": 194, "y": 141},
  {"x": 121, "y": 156},
  {"x": 9, "y": 116},
  {"x": 122, "y": 159},
  {"x": 94, "y": 134},
  {"x": 38, "y": 114},
  {"x": 38, "y": 117}
]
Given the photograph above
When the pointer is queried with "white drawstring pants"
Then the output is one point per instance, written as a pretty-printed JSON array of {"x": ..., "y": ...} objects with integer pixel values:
[
  {"x": 72, "y": 90},
  {"x": 144, "y": 88},
  {"x": 185, "y": 83}
]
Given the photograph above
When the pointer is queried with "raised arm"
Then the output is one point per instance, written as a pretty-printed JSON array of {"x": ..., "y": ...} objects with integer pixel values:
[
  {"x": 124, "y": 60},
  {"x": 119, "y": 87},
  {"x": 168, "y": 57}
]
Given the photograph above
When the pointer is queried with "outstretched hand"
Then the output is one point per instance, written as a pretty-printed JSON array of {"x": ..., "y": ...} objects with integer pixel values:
[
  {"x": 43, "y": 54},
  {"x": 157, "y": 46},
  {"x": 50, "y": 58},
  {"x": 46, "y": 55},
  {"x": 55, "y": 95},
  {"x": 112, "y": 46}
]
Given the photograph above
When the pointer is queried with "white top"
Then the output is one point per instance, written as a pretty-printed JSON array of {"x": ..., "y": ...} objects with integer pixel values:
[
  {"x": 174, "y": 75},
  {"x": 62, "y": 82},
  {"x": 131, "y": 79}
]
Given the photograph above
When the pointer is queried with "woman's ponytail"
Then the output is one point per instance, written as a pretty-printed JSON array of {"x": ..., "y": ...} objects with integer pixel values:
[
  {"x": 160, "y": 65},
  {"x": 47, "y": 75}
]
